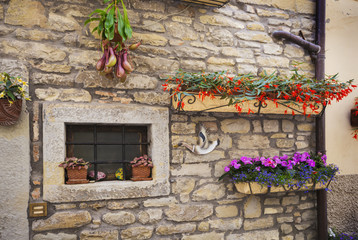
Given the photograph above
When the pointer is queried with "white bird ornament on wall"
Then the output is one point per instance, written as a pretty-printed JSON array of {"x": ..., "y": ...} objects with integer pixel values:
[{"x": 204, "y": 146}]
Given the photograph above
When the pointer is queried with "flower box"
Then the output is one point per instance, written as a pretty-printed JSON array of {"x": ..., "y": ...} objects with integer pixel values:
[
  {"x": 193, "y": 103},
  {"x": 256, "y": 188},
  {"x": 300, "y": 172}
]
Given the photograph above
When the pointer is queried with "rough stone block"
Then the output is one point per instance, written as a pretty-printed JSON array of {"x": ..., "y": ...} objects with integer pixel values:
[
  {"x": 271, "y": 126},
  {"x": 273, "y": 61},
  {"x": 272, "y": 201},
  {"x": 235, "y": 126},
  {"x": 285, "y": 143},
  {"x": 290, "y": 200},
  {"x": 254, "y": 36},
  {"x": 91, "y": 235},
  {"x": 150, "y": 216},
  {"x": 219, "y": 20},
  {"x": 54, "y": 236},
  {"x": 62, "y": 23},
  {"x": 199, "y": 169},
  {"x": 252, "y": 207},
  {"x": 33, "y": 50},
  {"x": 213, "y": 156},
  {"x": 191, "y": 52},
  {"x": 152, "y": 98},
  {"x": 222, "y": 38},
  {"x": 174, "y": 229},
  {"x": 260, "y": 223},
  {"x": 257, "y": 235},
  {"x": 137, "y": 233},
  {"x": 62, "y": 220},
  {"x": 226, "y": 224},
  {"x": 186, "y": 213},
  {"x": 181, "y": 31},
  {"x": 221, "y": 61},
  {"x": 92, "y": 79},
  {"x": 226, "y": 211},
  {"x": 183, "y": 186},
  {"x": 160, "y": 202},
  {"x": 286, "y": 228},
  {"x": 118, "y": 205},
  {"x": 253, "y": 142},
  {"x": 273, "y": 210},
  {"x": 274, "y": 13},
  {"x": 154, "y": 64},
  {"x": 151, "y": 39},
  {"x": 272, "y": 49},
  {"x": 206, "y": 236},
  {"x": 65, "y": 95},
  {"x": 183, "y": 128},
  {"x": 209, "y": 192},
  {"x": 118, "y": 218},
  {"x": 26, "y": 13}
]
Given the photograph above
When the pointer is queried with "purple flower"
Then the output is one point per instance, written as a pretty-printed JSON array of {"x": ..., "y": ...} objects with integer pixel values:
[
  {"x": 233, "y": 162},
  {"x": 258, "y": 169},
  {"x": 246, "y": 160},
  {"x": 237, "y": 165},
  {"x": 227, "y": 168}
]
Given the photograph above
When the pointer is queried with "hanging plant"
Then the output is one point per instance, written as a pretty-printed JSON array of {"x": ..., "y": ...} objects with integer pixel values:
[
  {"x": 114, "y": 29},
  {"x": 236, "y": 89},
  {"x": 12, "y": 91}
]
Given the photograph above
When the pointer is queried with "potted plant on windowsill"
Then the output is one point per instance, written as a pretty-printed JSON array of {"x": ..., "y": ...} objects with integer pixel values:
[
  {"x": 141, "y": 168},
  {"x": 243, "y": 93},
  {"x": 306, "y": 171},
  {"x": 113, "y": 29},
  {"x": 12, "y": 91},
  {"x": 76, "y": 169}
]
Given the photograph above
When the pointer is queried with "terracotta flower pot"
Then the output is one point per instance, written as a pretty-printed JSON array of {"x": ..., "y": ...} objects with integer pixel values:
[
  {"x": 76, "y": 176},
  {"x": 141, "y": 173},
  {"x": 9, "y": 113}
]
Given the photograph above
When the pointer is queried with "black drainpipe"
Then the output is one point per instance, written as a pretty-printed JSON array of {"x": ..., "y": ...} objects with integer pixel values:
[
  {"x": 322, "y": 225},
  {"x": 319, "y": 49}
]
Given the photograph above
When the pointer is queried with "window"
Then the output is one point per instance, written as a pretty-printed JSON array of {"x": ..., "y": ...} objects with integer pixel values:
[
  {"x": 107, "y": 147},
  {"x": 110, "y": 118}
]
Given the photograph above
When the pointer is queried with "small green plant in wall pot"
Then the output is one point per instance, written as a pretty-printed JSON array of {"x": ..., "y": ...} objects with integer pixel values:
[
  {"x": 12, "y": 92},
  {"x": 114, "y": 30},
  {"x": 76, "y": 169}
]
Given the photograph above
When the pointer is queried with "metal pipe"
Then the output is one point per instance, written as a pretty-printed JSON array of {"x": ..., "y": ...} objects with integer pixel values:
[
  {"x": 296, "y": 39},
  {"x": 322, "y": 225}
]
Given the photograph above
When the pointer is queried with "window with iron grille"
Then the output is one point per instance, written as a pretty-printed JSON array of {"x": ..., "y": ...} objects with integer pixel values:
[{"x": 107, "y": 147}]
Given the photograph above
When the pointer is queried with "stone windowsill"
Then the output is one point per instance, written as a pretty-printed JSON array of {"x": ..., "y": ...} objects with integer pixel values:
[{"x": 56, "y": 115}]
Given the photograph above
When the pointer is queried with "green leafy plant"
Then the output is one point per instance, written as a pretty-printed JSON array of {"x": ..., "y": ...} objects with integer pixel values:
[
  {"x": 237, "y": 89},
  {"x": 72, "y": 162},
  {"x": 295, "y": 171},
  {"x": 142, "y": 161},
  {"x": 12, "y": 88},
  {"x": 114, "y": 29}
]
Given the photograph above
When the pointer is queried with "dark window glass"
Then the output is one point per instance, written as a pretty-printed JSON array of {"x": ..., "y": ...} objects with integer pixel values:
[{"x": 107, "y": 147}]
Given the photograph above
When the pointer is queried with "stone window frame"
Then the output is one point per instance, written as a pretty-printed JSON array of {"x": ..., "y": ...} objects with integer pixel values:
[{"x": 56, "y": 115}]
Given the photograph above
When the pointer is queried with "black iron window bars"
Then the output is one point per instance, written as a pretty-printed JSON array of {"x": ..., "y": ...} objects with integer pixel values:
[{"x": 107, "y": 147}]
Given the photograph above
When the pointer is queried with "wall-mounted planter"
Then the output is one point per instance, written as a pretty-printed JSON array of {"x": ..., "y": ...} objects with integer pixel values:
[
  {"x": 9, "y": 113},
  {"x": 193, "y": 103},
  {"x": 256, "y": 188},
  {"x": 354, "y": 118}
]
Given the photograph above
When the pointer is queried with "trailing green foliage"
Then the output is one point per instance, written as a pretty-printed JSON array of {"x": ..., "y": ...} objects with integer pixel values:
[{"x": 110, "y": 21}]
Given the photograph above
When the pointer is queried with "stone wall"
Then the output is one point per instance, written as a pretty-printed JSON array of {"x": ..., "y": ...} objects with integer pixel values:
[{"x": 60, "y": 54}]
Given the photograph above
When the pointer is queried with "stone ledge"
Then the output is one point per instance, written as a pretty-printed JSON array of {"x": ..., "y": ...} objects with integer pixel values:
[{"x": 56, "y": 115}]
